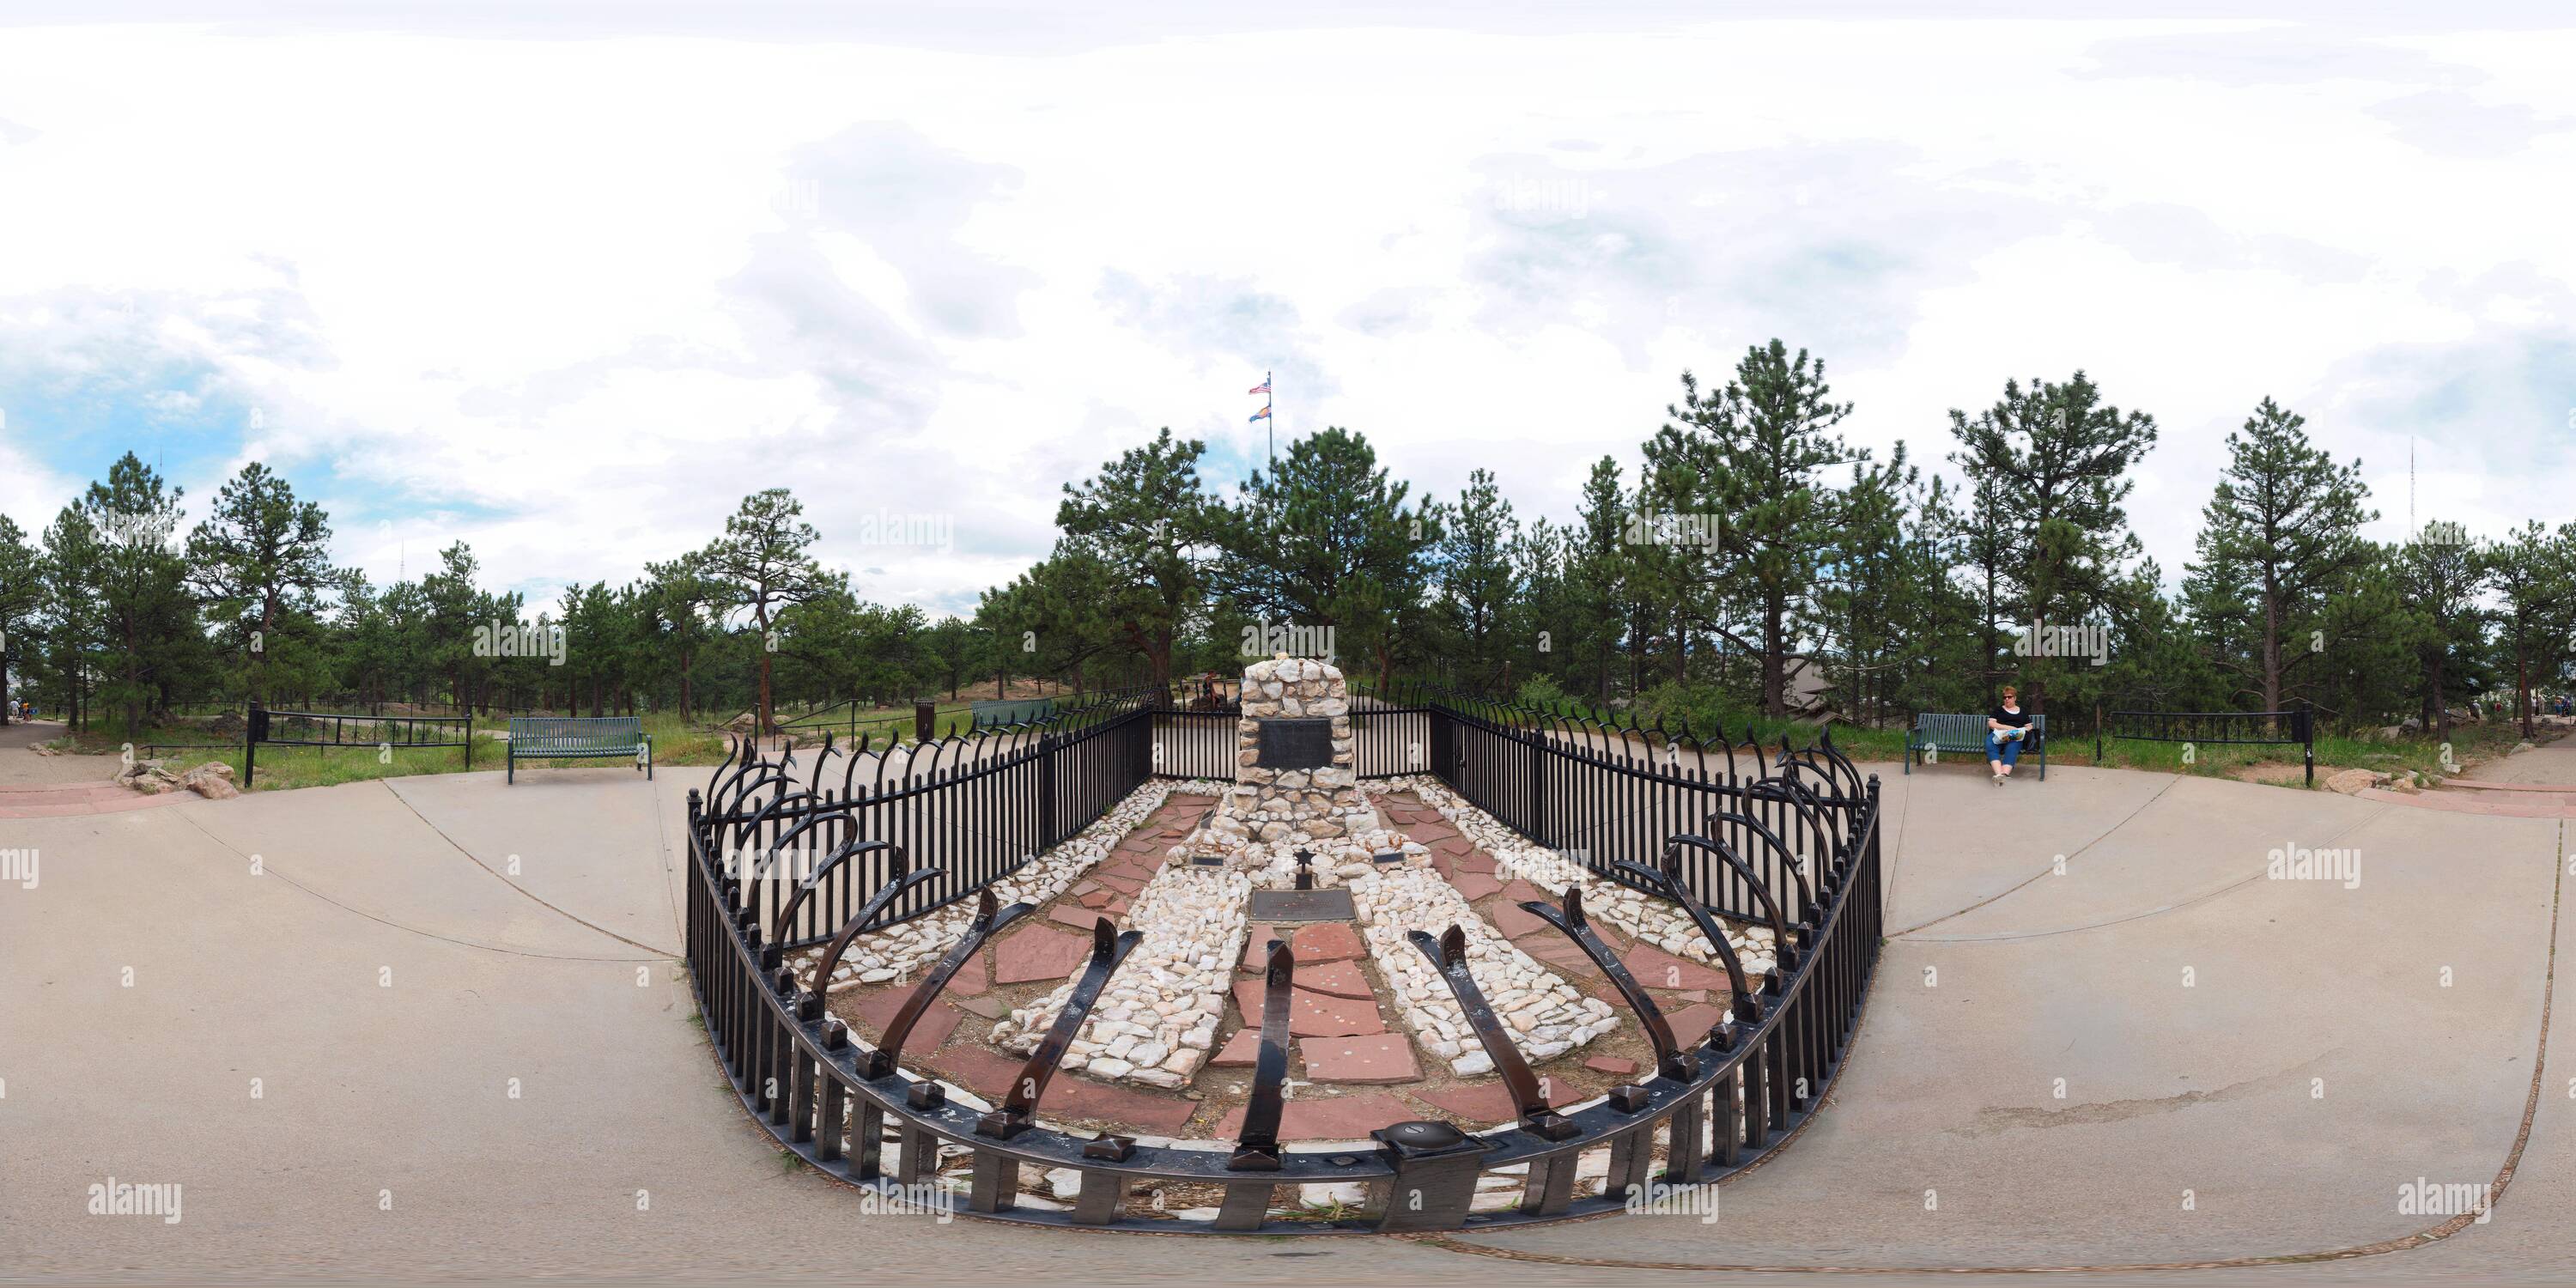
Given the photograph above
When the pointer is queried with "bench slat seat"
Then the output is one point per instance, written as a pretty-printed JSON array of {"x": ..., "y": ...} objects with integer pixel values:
[
  {"x": 1939, "y": 731},
  {"x": 579, "y": 738}
]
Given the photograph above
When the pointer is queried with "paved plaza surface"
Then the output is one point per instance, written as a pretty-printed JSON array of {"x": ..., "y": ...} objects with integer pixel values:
[{"x": 390, "y": 960}]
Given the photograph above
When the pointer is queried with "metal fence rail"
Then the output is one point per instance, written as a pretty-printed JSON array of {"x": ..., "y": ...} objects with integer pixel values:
[
  {"x": 1718, "y": 1102},
  {"x": 279, "y": 728},
  {"x": 2215, "y": 728},
  {"x": 976, "y": 807}
]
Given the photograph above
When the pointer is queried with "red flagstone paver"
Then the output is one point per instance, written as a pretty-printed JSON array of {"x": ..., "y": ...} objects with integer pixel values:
[
  {"x": 1562, "y": 953},
  {"x": 1476, "y": 885},
  {"x": 1325, "y": 941},
  {"x": 1612, "y": 1065},
  {"x": 1454, "y": 845},
  {"x": 986, "y": 1073},
  {"x": 1256, "y": 945},
  {"x": 1071, "y": 1095},
  {"x": 1314, "y": 1117},
  {"x": 934, "y": 1027},
  {"x": 1477, "y": 862},
  {"x": 1514, "y": 923},
  {"x": 991, "y": 1008},
  {"x": 972, "y": 976},
  {"x": 1520, "y": 891},
  {"x": 1242, "y": 1051},
  {"x": 1656, "y": 968},
  {"x": 1487, "y": 1103},
  {"x": 1114, "y": 881},
  {"x": 1312, "y": 1015},
  {"x": 1381, "y": 1059},
  {"x": 1039, "y": 952},
  {"x": 1096, "y": 897},
  {"x": 1339, "y": 979},
  {"x": 1068, "y": 1095},
  {"x": 1691, "y": 1023},
  {"x": 1077, "y": 916}
]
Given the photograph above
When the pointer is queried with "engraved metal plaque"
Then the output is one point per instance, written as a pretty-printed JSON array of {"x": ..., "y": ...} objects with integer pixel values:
[
  {"x": 1271, "y": 907},
  {"x": 1295, "y": 743}
]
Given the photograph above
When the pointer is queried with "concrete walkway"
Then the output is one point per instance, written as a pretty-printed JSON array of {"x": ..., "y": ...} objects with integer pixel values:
[{"x": 373, "y": 957}]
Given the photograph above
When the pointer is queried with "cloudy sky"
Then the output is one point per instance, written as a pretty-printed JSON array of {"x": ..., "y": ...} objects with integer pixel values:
[{"x": 567, "y": 281}]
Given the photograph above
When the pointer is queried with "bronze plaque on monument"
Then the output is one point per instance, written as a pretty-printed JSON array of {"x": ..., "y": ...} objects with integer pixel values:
[{"x": 1304, "y": 742}]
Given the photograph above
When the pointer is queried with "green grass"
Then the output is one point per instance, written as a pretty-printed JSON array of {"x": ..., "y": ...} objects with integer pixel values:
[{"x": 2470, "y": 744}]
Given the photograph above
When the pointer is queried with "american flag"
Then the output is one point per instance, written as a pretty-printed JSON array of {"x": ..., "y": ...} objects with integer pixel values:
[{"x": 1262, "y": 388}]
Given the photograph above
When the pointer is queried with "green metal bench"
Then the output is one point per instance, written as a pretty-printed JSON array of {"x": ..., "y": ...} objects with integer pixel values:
[
  {"x": 560, "y": 738},
  {"x": 1937, "y": 732}
]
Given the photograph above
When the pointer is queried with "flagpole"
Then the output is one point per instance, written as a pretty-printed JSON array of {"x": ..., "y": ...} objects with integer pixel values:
[{"x": 1270, "y": 400}]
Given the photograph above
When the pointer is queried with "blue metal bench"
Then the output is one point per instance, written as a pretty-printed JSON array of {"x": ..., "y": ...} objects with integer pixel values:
[
  {"x": 560, "y": 738},
  {"x": 1966, "y": 735}
]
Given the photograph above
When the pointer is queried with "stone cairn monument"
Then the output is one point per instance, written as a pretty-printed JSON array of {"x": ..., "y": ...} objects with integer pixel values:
[{"x": 1296, "y": 786}]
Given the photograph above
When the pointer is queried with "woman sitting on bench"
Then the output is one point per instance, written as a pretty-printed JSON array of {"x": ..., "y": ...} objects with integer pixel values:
[{"x": 2006, "y": 726}]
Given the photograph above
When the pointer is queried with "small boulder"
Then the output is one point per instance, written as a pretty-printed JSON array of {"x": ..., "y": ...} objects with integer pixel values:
[{"x": 212, "y": 780}]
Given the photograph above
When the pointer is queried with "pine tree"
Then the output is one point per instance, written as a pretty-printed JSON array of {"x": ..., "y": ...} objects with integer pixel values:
[
  {"x": 2051, "y": 466},
  {"x": 1148, "y": 521},
  {"x": 258, "y": 556},
  {"x": 2285, "y": 522},
  {"x": 761, "y": 566},
  {"x": 22, "y": 592}
]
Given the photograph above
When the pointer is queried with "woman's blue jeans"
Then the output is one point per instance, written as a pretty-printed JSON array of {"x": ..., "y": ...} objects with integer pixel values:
[{"x": 2007, "y": 750}]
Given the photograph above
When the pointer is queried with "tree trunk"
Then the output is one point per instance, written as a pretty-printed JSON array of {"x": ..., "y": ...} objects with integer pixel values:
[
  {"x": 763, "y": 644},
  {"x": 1775, "y": 679},
  {"x": 2271, "y": 656},
  {"x": 2522, "y": 688}
]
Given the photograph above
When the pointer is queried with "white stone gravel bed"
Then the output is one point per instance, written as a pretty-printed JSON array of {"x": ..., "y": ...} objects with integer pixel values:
[
  {"x": 1632, "y": 911},
  {"x": 1545, "y": 1016},
  {"x": 895, "y": 953},
  {"x": 1156, "y": 1020}
]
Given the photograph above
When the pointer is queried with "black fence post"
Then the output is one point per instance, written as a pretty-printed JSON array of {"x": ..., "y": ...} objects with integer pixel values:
[
  {"x": 1046, "y": 790},
  {"x": 1538, "y": 785},
  {"x": 255, "y": 724}
]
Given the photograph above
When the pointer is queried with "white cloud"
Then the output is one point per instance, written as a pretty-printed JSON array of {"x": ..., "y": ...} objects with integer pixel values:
[{"x": 571, "y": 299}]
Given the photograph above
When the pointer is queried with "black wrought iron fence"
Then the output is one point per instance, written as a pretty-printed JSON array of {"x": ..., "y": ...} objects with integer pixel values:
[
  {"x": 268, "y": 726},
  {"x": 1798, "y": 838},
  {"x": 975, "y": 806},
  {"x": 1388, "y": 740},
  {"x": 1614, "y": 797}
]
